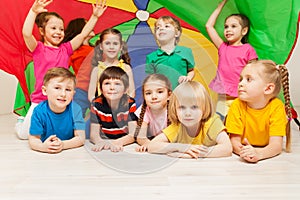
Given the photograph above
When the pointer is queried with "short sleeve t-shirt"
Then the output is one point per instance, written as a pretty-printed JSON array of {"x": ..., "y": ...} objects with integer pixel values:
[
  {"x": 173, "y": 65},
  {"x": 257, "y": 125},
  {"x": 207, "y": 136},
  {"x": 44, "y": 58},
  {"x": 45, "y": 122},
  {"x": 232, "y": 59}
]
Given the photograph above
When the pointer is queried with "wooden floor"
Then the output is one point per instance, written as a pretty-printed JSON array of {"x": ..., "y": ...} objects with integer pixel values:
[{"x": 82, "y": 174}]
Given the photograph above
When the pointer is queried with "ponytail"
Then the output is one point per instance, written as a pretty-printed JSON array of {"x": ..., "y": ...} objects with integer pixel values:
[
  {"x": 124, "y": 53},
  {"x": 140, "y": 120},
  {"x": 285, "y": 86}
]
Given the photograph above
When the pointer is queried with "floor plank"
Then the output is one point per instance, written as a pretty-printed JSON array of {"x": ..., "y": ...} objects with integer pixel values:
[{"x": 82, "y": 174}]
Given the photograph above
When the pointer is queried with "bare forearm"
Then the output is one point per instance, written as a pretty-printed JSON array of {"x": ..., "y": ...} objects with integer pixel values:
[
  {"x": 213, "y": 34},
  {"x": 213, "y": 17},
  {"x": 142, "y": 141},
  {"x": 222, "y": 150},
  {"x": 76, "y": 141},
  {"x": 268, "y": 152},
  {"x": 37, "y": 145},
  {"x": 89, "y": 26},
  {"x": 95, "y": 139},
  {"x": 29, "y": 24},
  {"x": 125, "y": 140},
  {"x": 164, "y": 148},
  {"x": 27, "y": 29}
]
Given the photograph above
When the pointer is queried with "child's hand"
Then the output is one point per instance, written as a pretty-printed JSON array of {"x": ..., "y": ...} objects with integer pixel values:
[
  {"x": 142, "y": 148},
  {"x": 101, "y": 145},
  {"x": 223, "y": 2},
  {"x": 198, "y": 151},
  {"x": 249, "y": 153},
  {"x": 183, "y": 79},
  {"x": 204, "y": 151},
  {"x": 99, "y": 8},
  {"x": 179, "y": 155},
  {"x": 116, "y": 146},
  {"x": 194, "y": 151},
  {"x": 39, "y": 6},
  {"x": 53, "y": 144}
]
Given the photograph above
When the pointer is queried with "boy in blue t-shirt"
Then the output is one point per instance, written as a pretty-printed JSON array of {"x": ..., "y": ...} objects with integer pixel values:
[{"x": 57, "y": 123}]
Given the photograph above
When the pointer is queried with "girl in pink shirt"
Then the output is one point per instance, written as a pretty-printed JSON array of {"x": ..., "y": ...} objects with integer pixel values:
[
  {"x": 152, "y": 114},
  {"x": 50, "y": 52},
  {"x": 234, "y": 54}
]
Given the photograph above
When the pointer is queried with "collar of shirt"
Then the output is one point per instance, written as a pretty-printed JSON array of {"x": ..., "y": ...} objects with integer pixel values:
[{"x": 160, "y": 52}]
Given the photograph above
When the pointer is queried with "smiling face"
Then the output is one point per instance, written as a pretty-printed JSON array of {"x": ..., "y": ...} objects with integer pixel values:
[
  {"x": 111, "y": 46},
  {"x": 113, "y": 90},
  {"x": 53, "y": 33},
  {"x": 60, "y": 93},
  {"x": 166, "y": 32},
  {"x": 156, "y": 94},
  {"x": 233, "y": 30}
]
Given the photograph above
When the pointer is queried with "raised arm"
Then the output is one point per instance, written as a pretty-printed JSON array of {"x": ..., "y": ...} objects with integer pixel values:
[
  {"x": 37, "y": 7},
  {"x": 213, "y": 34},
  {"x": 131, "y": 91},
  {"x": 98, "y": 10},
  {"x": 93, "y": 84}
]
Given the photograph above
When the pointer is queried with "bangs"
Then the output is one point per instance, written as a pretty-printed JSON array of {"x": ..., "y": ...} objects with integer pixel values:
[
  {"x": 190, "y": 94},
  {"x": 114, "y": 72}
]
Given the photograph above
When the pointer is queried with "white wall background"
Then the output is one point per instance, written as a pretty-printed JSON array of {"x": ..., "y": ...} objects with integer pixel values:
[
  {"x": 8, "y": 83},
  {"x": 294, "y": 72}
]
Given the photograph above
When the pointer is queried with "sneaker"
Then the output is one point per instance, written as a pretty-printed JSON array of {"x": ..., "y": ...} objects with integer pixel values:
[
  {"x": 19, "y": 123},
  {"x": 20, "y": 119}
]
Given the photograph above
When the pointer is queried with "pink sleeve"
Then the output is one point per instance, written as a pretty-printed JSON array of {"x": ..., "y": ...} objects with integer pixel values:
[
  {"x": 251, "y": 53},
  {"x": 68, "y": 47}
]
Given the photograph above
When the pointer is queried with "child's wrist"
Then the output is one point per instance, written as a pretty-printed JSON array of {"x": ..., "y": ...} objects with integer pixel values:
[
  {"x": 94, "y": 15},
  {"x": 33, "y": 11},
  {"x": 62, "y": 145}
]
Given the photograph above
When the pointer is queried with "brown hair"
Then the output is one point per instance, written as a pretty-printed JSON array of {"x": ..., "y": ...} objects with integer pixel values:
[
  {"x": 58, "y": 72},
  {"x": 42, "y": 19},
  {"x": 74, "y": 28},
  {"x": 98, "y": 55},
  {"x": 118, "y": 73},
  {"x": 151, "y": 77},
  {"x": 244, "y": 22}
]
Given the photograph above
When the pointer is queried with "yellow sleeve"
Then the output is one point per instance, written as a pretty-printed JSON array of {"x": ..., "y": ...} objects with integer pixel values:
[
  {"x": 278, "y": 119},
  {"x": 171, "y": 133},
  {"x": 234, "y": 120},
  {"x": 214, "y": 127}
]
